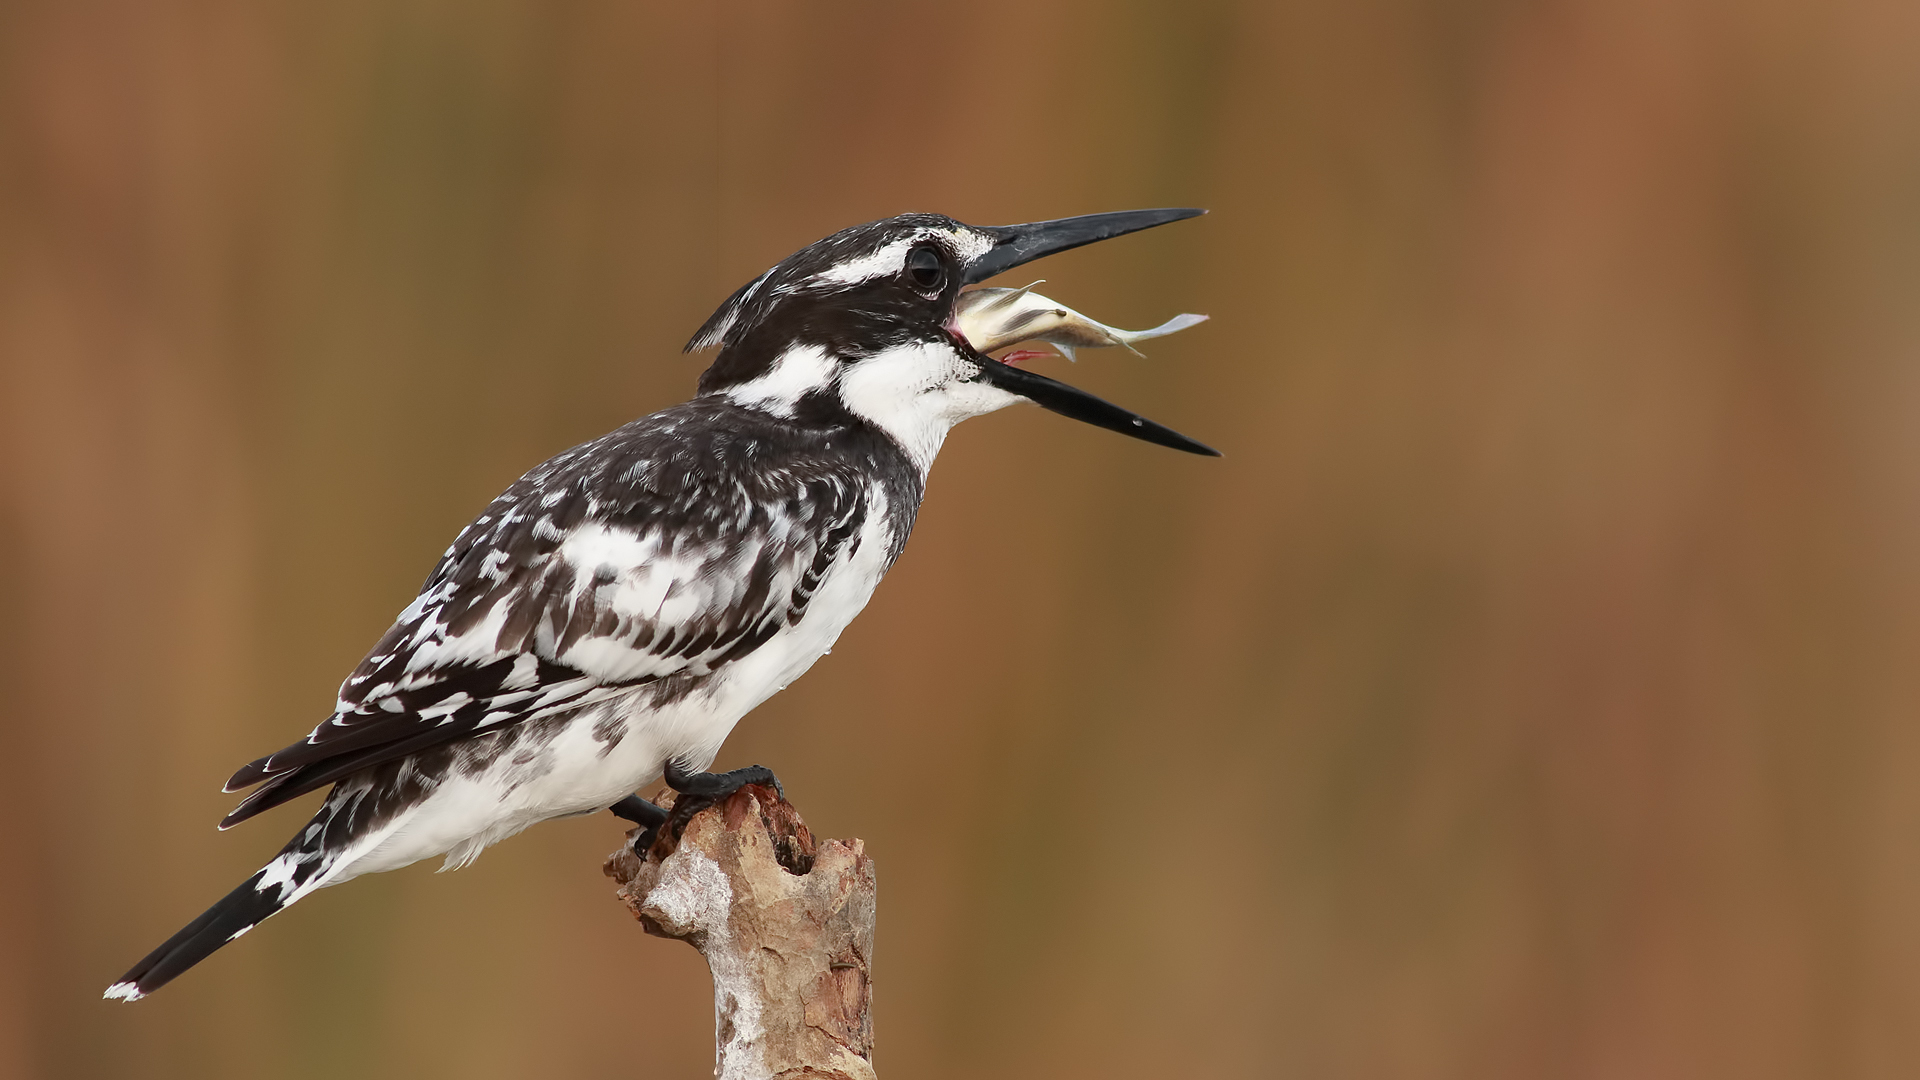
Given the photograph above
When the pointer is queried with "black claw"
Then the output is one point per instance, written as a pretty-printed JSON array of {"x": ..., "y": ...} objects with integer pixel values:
[
  {"x": 644, "y": 842},
  {"x": 717, "y": 786},
  {"x": 644, "y": 814},
  {"x": 699, "y": 790}
]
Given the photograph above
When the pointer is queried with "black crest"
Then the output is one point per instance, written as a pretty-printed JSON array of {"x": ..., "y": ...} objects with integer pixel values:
[{"x": 792, "y": 304}]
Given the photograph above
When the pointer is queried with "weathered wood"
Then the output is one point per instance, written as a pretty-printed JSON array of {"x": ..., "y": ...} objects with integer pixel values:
[{"x": 786, "y": 927}]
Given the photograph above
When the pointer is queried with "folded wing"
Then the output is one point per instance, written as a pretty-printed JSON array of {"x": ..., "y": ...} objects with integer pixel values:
[{"x": 622, "y": 562}]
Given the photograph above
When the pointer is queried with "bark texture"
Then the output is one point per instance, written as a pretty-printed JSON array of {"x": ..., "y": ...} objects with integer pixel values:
[{"x": 786, "y": 927}]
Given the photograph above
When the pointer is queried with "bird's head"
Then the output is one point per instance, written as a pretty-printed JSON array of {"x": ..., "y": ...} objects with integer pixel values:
[{"x": 861, "y": 325}]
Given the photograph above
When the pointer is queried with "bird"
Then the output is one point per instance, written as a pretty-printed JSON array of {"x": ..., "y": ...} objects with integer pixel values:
[{"x": 605, "y": 622}]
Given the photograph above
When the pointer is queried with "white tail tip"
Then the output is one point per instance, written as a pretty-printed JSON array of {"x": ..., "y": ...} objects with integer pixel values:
[{"x": 123, "y": 991}]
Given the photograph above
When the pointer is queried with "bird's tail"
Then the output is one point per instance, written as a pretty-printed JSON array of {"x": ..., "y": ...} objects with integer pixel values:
[{"x": 301, "y": 867}]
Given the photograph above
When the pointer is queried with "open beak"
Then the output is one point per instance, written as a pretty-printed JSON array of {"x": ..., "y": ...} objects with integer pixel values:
[{"x": 1017, "y": 244}]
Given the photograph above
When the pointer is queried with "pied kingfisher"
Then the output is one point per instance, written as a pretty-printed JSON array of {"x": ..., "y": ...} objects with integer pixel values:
[{"x": 606, "y": 621}]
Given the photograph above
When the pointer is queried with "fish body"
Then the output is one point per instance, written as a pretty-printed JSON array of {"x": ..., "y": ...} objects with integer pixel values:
[{"x": 995, "y": 318}]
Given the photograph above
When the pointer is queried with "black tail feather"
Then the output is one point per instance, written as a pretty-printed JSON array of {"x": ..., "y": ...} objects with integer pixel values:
[
  {"x": 357, "y": 809},
  {"x": 235, "y": 914}
]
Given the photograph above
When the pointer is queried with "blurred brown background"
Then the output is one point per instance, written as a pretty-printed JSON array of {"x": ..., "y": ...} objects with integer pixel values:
[{"x": 1529, "y": 692}]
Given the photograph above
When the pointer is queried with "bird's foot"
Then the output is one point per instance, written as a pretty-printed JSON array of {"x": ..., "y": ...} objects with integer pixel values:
[
  {"x": 644, "y": 814},
  {"x": 717, "y": 786},
  {"x": 695, "y": 791}
]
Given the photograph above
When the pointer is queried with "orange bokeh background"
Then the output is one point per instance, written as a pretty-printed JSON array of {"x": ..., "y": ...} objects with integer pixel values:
[{"x": 1529, "y": 692}]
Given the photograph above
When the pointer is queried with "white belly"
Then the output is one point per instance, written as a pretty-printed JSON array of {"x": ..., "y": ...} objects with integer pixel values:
[{"x": 579, "y": 774}]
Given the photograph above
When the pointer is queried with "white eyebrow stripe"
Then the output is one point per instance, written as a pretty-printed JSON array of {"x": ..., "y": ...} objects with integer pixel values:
[
  {"x": 892, "y": 258},
  {"x": 888, "y": 260}
]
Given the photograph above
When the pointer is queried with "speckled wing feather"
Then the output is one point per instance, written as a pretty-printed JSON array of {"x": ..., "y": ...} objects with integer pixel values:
[{"x": 653, "y": 553}]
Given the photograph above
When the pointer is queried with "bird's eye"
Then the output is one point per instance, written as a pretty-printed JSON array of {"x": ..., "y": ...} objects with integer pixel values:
[{"x": 926, "y": 269}]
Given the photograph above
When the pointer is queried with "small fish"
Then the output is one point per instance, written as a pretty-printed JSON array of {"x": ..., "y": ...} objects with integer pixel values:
[{"x": 994, "y": 318}]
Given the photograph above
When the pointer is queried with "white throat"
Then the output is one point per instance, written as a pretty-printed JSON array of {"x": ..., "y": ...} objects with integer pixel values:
[{"x": 916, "y": 393}]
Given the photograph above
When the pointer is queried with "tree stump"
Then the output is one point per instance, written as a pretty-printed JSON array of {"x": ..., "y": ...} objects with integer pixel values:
[{"x": 786, "y": 927}]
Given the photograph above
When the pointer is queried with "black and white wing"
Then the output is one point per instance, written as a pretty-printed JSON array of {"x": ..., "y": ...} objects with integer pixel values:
[{"x": 661, "y": 551}]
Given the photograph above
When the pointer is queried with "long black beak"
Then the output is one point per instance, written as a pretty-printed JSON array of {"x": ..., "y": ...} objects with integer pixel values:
[
  {"x": 1016, "y": 244},
  {"x": 1056, "y": 396}
]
